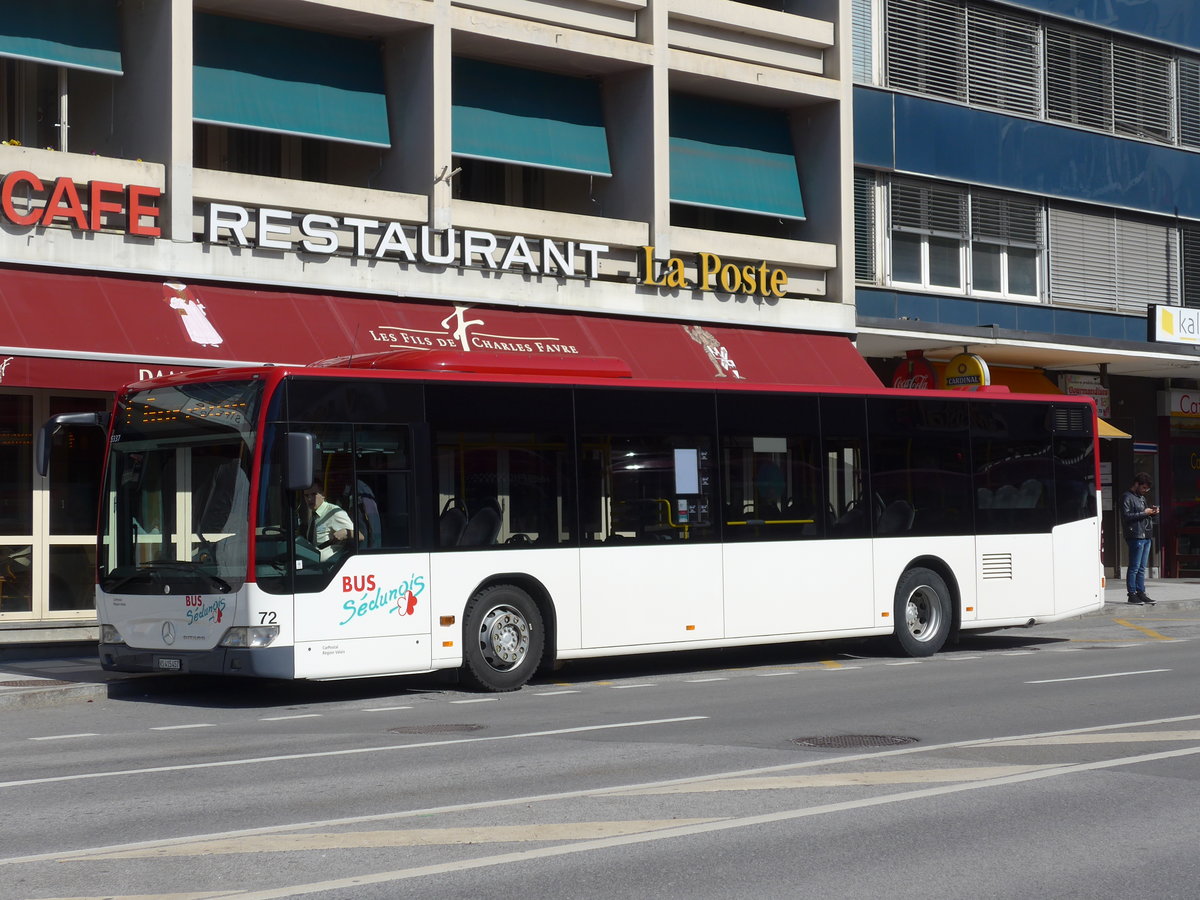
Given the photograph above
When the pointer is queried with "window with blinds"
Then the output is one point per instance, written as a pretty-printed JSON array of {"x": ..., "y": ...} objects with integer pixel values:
[
  {"x": 1102, "y": 261},
  {"x": 980, "y": 242},
  {"x": 865, "y": 264},
  {"x": 998, "y": 59},
  {"x": 1142, "y": 96},
  {"x": 862, "y": 13},
  {"x": 1078, "y": 79},
  {"x": 1003, "y": 61},
  {"x": 1189, "y": 102},
  {"x": 925, "y": 47},
  {"x": 1190, "y": 253},
  {"x": 1006, "y": 244}
]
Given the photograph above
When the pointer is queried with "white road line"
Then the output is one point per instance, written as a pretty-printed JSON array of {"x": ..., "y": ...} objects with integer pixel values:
[
  {"x": 386, "y": 708},
  {"x": 354, "y": 751},
  {"x": 556, "y": 693},
  {"x": 905, "y": 662},
  {"x": 1091, "y": 677},
  {"x": 523, "y": 857},
  {"x": 64, "y": 737},
  {"x": 181, "y": 727},
  {"x": 703, "y": 680},
  {"x": 957, "y": 658},
  {"x": 621, "y": 687},
  {"x": 572, "y": 795},
  {"x": 477, "y": 700},
  {"x": 288, "y": 718}
]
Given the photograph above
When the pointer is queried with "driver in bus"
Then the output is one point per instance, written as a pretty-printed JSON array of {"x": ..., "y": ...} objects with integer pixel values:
[{"x": 326, "y": 525}]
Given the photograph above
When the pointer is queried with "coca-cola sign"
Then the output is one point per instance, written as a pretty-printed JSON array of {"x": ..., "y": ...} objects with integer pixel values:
[{"x": 915, "y": 373}]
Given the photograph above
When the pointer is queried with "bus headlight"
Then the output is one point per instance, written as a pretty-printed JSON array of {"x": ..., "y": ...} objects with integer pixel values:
[
  {"x": 250, "y": 636},
  {"x": 110, "y": 635}
]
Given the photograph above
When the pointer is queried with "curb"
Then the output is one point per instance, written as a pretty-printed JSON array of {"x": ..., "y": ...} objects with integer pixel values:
[{"x": 39, "y": 698}]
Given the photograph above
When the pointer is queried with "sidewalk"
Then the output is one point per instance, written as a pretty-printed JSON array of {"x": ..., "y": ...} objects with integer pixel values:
[
  {"x": 33, "y": 675},
  {"x": 52, "y": 674}
]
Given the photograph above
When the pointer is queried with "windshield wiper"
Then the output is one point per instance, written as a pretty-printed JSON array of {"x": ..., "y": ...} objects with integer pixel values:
[{"x": 174, "y": 565}]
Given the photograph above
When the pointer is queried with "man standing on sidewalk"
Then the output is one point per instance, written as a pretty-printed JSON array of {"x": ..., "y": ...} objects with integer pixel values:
[{"x": 1138, "y": 523}]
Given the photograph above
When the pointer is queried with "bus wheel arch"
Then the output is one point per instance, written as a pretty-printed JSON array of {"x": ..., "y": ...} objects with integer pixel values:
[
  {"x": 925, "y": 607},
  {"x": 509, "y": 630}
]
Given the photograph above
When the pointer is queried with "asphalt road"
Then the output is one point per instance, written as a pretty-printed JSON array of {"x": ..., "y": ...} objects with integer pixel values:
[{"x": 1062, "y": 761}]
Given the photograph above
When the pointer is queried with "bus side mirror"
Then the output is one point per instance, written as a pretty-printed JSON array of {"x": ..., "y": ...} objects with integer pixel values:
[
  {"x": 41, "y": 446},
  {"x": 301, "y": 447}
]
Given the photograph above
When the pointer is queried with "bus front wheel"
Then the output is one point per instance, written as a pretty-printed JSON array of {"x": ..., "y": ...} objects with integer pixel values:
[
  {"x": 922, "y": 612},
  {"x": 503, "y": 638}
]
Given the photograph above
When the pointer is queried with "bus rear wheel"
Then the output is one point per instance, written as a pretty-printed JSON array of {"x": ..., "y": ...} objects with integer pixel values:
[
  {"x": 922, "y": 612},
  {"x": 503, "y": 638}
]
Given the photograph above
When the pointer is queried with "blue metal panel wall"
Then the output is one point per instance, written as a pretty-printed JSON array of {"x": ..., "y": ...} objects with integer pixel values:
[
  {"x": 1172, "y": 21},
  {"x": 956, "y": 143}
]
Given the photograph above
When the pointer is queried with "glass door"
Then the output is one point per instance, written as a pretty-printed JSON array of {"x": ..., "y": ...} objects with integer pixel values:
[{"x": 48, "y": 525}]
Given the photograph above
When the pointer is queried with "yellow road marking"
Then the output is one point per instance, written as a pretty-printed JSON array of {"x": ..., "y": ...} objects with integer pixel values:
[
  {"x": 408, "y": 837},
  {"x": 831, "y": 664},
  {"x": 1110, "y": 738},
  {"x": 842, "y": 779},
  {"x": 1146, "y": 631}
]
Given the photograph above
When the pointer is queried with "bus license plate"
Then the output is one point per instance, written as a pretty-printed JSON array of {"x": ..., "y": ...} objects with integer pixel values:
[{"x": 167, "y": 662}]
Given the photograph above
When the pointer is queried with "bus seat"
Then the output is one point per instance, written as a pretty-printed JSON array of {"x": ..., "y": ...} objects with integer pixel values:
[
  {"x": 483, "y": 526},
  {"x": 1029, "y": 493},
  {"x": 897, "y": 517},
  {"x": 452, "y": 523}
]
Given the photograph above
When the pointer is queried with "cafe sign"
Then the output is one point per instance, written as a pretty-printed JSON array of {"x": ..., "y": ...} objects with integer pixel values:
[{"x": 129, "y": 208}]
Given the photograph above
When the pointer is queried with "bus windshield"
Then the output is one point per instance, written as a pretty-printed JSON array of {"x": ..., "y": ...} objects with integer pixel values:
[{"x": 178, "y": 486}]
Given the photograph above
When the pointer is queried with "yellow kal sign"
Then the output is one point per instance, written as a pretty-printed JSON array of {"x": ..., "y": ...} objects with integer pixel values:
[
  {"x": 713, "y": 274},
  {"x": 966, "y": 372}
]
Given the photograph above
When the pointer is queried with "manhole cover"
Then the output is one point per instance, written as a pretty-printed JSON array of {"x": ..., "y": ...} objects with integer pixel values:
[
  {"x": 33, "y": 682},
  {"x": 845, "y": 741},
  {"x": 433, "y": 729}
]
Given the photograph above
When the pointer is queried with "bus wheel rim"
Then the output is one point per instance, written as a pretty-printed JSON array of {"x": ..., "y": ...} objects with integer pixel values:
[
  {"x": 922, "y": 614},
  {"x": 504, "y": 637}
]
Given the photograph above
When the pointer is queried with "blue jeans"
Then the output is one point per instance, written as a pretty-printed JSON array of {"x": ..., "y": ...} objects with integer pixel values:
[{"x": 1139, "y": 556}]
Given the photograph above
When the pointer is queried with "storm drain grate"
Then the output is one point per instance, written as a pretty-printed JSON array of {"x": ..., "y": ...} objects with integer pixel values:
[
  {"x": 433, "y": 729},
  {"x": 34, "y": 682},
  {"x": 847, "y": 741}
]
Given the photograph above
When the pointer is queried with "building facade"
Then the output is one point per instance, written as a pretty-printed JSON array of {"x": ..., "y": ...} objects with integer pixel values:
[
  {"x": 1027, "y": 193},
  {"x": 189, "y": 183}
]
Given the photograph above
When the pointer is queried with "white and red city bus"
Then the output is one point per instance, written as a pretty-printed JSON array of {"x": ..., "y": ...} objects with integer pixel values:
[{"x": 512, "y": 510}]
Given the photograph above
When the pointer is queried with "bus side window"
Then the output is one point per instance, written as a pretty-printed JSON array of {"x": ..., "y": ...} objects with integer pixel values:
[
  {"x": 647, "y": 465},
  {"x": 380, "y": 497}
]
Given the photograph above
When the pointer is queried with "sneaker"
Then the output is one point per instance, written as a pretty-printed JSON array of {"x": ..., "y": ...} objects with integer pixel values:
[
  {"x": 1143, "y": 598},
  {"x": 1135, "y": 598}
]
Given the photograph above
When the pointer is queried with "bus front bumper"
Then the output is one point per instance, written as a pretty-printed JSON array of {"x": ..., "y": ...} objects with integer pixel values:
[{"x": 262, "y": 662}]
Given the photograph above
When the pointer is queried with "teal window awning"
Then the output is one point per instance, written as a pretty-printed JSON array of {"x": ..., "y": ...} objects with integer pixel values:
[
  {"x": 289, "y": 81},
  {"x": 78, "y": 34},
  {"x": 729, "y": 156},
  {"x": 529, "y": 118}
]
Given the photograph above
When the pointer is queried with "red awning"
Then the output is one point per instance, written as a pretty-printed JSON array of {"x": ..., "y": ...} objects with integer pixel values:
[{"x": 85, "y": 331}]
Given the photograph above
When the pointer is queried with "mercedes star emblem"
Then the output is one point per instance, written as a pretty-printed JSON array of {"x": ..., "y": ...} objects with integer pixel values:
[{"x": 168, "y": 632}]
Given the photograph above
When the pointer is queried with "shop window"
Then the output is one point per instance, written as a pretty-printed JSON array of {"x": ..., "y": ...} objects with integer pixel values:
[
  {"x": 16, "y": 578},
  {"x": 16, "y": 464}
]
